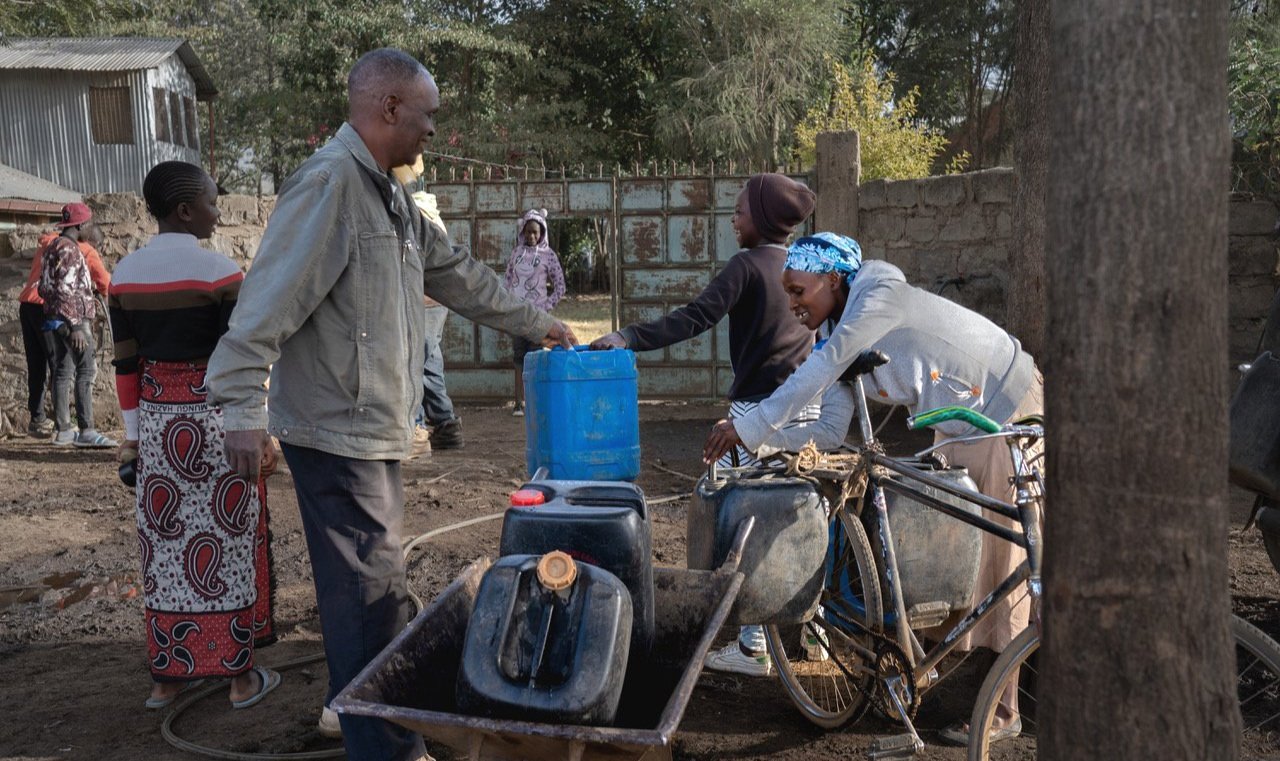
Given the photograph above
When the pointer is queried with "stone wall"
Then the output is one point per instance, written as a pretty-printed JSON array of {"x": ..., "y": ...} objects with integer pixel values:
[
  {"x": 127, "y": 226},
  {"x": 1254, "y": 274},
  {"x": 953, "y": 235},
  {"x": 950, "y": 234}
]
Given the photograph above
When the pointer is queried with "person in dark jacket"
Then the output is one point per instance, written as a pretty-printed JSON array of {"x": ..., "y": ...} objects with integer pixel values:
[{"x": 766, "y": 342}]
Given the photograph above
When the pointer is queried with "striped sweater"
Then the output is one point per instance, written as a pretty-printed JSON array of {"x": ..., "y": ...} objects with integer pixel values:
[{"x": 170, "y": 301}]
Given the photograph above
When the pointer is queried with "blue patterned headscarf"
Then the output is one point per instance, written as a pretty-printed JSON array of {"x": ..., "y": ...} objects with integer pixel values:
[{"x": 821, "y": 253}]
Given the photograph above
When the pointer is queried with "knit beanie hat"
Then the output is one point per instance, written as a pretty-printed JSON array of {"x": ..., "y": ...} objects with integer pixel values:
[{"x": 778, "y": 204}]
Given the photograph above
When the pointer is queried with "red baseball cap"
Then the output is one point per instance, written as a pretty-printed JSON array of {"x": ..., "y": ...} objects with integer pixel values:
[{"x": 74, "y": 215}]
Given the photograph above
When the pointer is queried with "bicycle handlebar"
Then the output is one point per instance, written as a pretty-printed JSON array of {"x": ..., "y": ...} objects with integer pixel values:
[{"x": 945, "y": 414}]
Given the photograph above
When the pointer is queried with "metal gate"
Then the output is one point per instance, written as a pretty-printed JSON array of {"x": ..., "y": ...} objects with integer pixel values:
[{"x": 668, "y": 236}]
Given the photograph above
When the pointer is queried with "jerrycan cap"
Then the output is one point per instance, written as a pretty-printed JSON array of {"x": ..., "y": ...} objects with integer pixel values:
[
  {"x": 527, "y": 498},
  {"x": 556, "y": 570}
]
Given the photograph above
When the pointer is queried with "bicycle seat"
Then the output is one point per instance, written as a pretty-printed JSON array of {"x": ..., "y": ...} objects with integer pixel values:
[{"x": 864, "y": 363}]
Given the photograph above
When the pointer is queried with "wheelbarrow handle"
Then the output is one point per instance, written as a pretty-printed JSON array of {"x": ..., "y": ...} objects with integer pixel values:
[{"x": 734, "y": 557}]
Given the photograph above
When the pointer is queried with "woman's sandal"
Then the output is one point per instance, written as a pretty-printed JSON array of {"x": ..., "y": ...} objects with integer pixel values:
[
  {"x": 958, "y": 733},
  {"x": 268, "y": 680},
  {"x": 158, "y": 703}
]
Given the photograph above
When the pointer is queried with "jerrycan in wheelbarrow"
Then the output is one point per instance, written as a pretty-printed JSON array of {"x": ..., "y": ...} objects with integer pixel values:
[
  {"x": 582, "y": 417},
  {"x": 547, "y": 641},
  {"x": 782, "y": 561},
  {"x": 604, "y": 523}
]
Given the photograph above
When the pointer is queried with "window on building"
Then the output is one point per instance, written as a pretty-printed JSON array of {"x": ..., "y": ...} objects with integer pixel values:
[
  {"x": 175, "y": 113},
  {"x": 110, "y": 115},
  {"x": 161, "y": 100},
  {"x": 189, "y": 112}
]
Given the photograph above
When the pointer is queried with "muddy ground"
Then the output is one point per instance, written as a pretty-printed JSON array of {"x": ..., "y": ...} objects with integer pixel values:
[{"x": 72, "y": 651}]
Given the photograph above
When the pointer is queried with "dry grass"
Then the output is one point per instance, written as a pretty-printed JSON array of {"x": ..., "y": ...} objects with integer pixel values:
[{"x": 587, "y": 314}]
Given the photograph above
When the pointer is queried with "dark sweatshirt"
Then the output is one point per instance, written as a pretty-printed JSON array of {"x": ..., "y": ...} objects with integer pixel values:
[{"x": 766, "y": 341}]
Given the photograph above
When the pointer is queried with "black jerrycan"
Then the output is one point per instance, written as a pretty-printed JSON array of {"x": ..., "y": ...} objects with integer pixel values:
[
  {"x": 938, "y": 556},
  {"x": 604, "y": 523},
  {"x": 783, "y": 558},
  {"x": 548, "y": 640}
]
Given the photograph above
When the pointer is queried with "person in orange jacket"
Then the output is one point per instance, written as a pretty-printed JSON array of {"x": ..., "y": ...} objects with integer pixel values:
[{"x": 31, "y": 315}]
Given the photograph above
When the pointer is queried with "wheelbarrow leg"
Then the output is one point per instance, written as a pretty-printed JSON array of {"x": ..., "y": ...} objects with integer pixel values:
[
  {"x": 473, "y": 748},
  {"x": 576, "y": 749}
]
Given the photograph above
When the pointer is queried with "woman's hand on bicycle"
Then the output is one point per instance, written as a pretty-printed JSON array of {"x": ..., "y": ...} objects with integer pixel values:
[{"x": 723, "y": 437}]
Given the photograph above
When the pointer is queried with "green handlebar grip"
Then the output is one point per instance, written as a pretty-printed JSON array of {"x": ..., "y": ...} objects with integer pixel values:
[{"x": 944, "y": 414}]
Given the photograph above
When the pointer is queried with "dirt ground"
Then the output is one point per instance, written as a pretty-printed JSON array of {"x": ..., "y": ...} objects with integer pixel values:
[{"x": 72, "y": 651}]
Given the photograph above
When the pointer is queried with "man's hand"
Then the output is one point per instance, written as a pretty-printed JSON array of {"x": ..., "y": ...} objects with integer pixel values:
[
  {"x": 270, "y": 459},
  {"x": 79, "y": 340},
  {"x": 247, "y": 451},
  {"x": 560, "y": 335},
  {"x": 612, "y": 340},
  {"x": 722, "y": 438}
]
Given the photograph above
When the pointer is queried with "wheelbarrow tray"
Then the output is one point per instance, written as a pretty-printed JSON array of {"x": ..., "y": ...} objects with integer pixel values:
[{"x": 412, "y": 681}]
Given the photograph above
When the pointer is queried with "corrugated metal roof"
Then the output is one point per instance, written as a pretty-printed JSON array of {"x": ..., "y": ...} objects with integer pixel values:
[
  {"x": 103, "y": 54},
  {"x": 20, "y": 185}
]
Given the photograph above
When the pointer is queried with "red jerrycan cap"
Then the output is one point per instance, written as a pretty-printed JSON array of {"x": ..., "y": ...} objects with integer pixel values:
[{"x": 527, "y": 498}]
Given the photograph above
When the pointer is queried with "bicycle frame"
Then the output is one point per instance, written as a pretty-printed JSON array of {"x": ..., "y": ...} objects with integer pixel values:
[{"x": 1026, "y": 511}]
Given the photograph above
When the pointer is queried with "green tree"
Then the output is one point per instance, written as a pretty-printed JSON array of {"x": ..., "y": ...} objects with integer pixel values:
[
  {"x": 1254, "y": 97},
  {"x": 892, "y": 144},
  {"x": 956, "y": 54},
  {"x": 587, "y": 93},
  {"x": 753, "y": 68},
  {"x": 60, "y": 18}
]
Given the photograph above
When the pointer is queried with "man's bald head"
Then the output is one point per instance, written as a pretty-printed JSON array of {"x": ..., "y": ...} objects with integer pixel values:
[{"x": 378, "y": 73}]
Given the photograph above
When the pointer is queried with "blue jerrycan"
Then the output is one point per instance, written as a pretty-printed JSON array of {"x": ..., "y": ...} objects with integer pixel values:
[{"x": 582, "y": 414}]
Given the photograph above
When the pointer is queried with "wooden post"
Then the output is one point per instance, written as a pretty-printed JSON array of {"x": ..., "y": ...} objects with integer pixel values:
[{"x": 837, "y": 174}]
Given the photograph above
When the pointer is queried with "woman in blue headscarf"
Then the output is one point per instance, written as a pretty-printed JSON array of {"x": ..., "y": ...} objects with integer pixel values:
[{"x": 940, "y": 354}]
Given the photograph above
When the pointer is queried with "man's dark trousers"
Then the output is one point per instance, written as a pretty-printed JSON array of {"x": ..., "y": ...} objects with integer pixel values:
[
  {"x": 352, "y": 513},
  {"x": 39, "y": 360}
]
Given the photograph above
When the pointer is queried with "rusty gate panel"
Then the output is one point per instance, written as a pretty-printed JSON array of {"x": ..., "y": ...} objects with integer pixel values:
[
  {"x": 543, "y": 195},
  {"x": 687, "y": 240}
]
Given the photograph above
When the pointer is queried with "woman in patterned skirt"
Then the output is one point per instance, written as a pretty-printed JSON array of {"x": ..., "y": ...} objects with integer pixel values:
[{"x": 202, "y": 529}]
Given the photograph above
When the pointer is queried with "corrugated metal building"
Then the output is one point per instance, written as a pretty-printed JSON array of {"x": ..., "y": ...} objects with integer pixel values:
[{"x": 95, "y": 114}]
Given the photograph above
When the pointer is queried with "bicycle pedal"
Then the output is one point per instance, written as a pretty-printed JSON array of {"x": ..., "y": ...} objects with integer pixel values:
[{"x": 897, "y": 746}]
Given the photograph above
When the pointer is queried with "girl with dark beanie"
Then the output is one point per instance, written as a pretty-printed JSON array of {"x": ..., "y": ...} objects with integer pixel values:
[{"x": 766, "y": 342}]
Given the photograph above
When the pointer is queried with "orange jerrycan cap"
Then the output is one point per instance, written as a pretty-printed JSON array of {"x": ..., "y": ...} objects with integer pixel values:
[
  {"x": 527, "y": 498},
  {"x": 556, "y": 570}
]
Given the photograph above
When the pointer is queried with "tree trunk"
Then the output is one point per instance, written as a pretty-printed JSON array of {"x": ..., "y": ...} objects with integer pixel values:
[
  {"x": 1031, "y": 164},
  {"x": 1137, "y": 662}
]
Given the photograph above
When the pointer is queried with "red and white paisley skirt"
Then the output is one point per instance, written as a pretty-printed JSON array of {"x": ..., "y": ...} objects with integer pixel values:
[{"x": 202, "y": 531}]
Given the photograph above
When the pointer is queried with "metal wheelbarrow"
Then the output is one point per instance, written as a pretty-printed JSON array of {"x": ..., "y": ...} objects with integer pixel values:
[{"x": 412, "y": 681}]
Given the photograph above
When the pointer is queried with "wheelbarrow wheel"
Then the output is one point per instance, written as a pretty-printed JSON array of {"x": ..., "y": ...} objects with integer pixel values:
[{"x": 829, "y": 669}]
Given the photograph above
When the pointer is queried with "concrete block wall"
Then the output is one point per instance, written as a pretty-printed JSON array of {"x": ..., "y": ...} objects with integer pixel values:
[
  {"x": 950, "y": 234},
  {"x": 1253, "y": 274}
]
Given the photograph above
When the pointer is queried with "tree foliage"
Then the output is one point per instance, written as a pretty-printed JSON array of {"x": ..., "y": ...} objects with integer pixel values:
[
  {"x": 956, "y": 54},
  {"x": 529, "y": 83},
  {"x": 755, "y": 67},
  {"x": 1254, "y": 97},
  {"x": 893, "y": 144}
]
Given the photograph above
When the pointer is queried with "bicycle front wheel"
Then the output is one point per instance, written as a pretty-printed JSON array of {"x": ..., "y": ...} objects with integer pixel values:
[
  {"x": 1257, "y": 687},
  {"x": 827, "y": 667}
]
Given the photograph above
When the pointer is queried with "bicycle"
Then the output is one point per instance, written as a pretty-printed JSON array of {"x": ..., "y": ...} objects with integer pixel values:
[
  {"x": 871, "y": 658},
  {"x": 862, "y": 656},
  {"x": 1258, "y": 691}
]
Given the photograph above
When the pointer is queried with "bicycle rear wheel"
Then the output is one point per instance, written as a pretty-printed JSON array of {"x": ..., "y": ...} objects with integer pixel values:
[
  {"x": 1258, "y": 689},
  {"x": 832, "y": 690}
]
